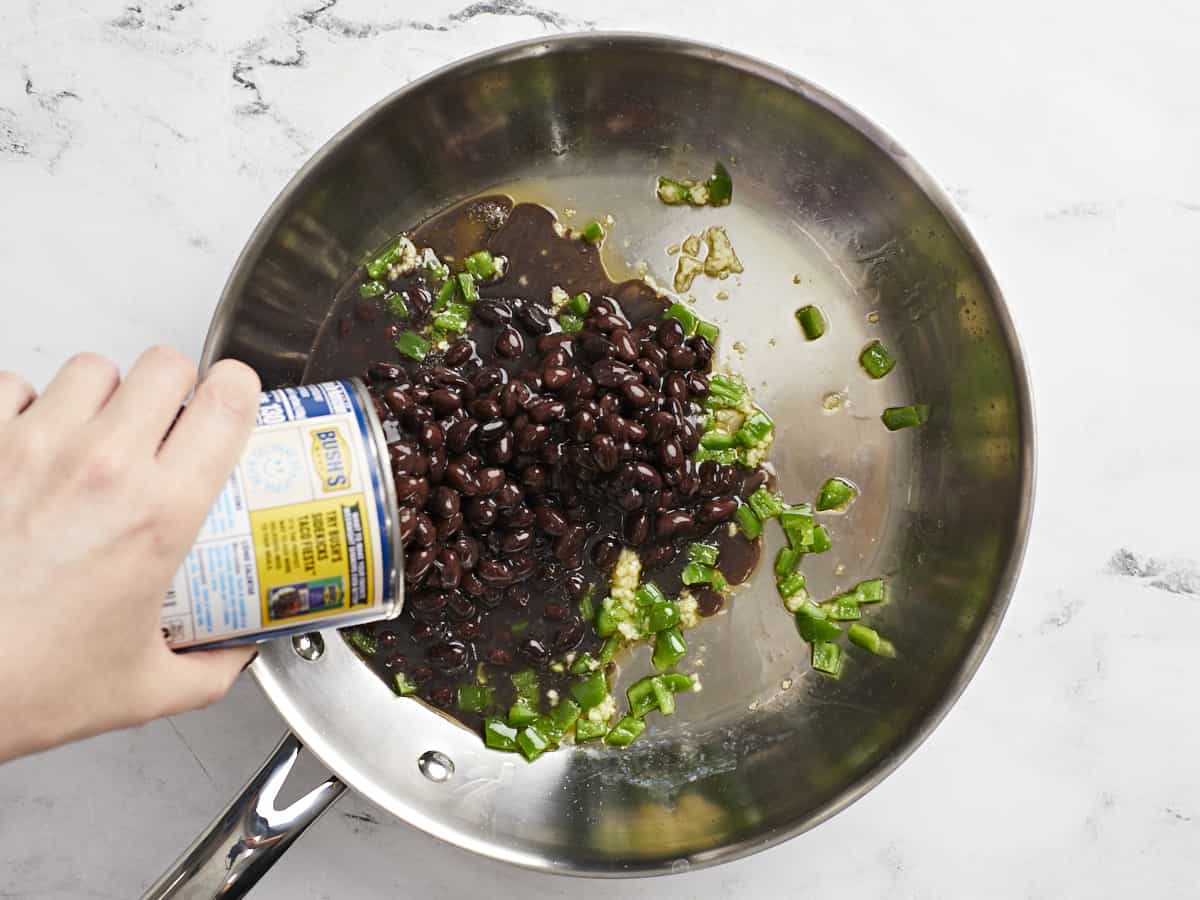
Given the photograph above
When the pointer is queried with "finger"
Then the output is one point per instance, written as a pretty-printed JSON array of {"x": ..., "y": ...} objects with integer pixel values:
[
  {"x": 15, "y": 395},
  {"x": 78, "y": 392},
  {"x": 198, "y": 679},
  {"x": 146, "y": 403},
  {"x": 205, "y": 443}
]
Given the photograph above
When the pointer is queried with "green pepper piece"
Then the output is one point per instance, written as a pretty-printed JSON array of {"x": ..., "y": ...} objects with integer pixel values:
[
  {"x": 587, "y": 608},
  {"x": 481, "y": 264},
  {"x": 569, "y": 323},
  {"x": 606, "y": 622},
  {"x": 708, "y": 331},
  {"x": 813, "y": 628},
  {"x": 671, "y": 192},
  {"x": 685, "y": 317},
  {"x": 748, "y": 522},
  {"x": 876, "y": 360},
  {"x": 704, "y": 554},
  {"x": 412, "y": 345},
  {"x": 869, "y": 591},
  {"x": 812, "y": 323},
  {"x": 836, "y": 494},
  {"x": 765, "y": 504},
  {"x": 580, "y": 304},
  {"x": 648, "y": 594},
  {"x": 586, "y": 729},
  {"x": 641, "y": 696},
  {"x": 663, "y": 696},
  {"x": 474, "y": 697},
  {"x": 609, "y": 649},
  {"x": 564, "y": 715},
  {"x": 396, "y": 305},
  {"x": 678, "y": 682},
  {"x": 720, "y": 186},
  {"x": 591, "y": 690},
  {"x": 523, "y": 712},
  {"x": 518, "y": 627},
  {"x": 755, "y": 429},
  {"x": 791, "y": 585},
  {"x": 499, "y": 736},
  {"x": 798, "y": 525},
  {"x": 446, "y": 293},
  {"x": 362, "y": 640},
  {"x": 532, "y": 742},
  {"x": 663, "y": 616},
  {"x": 724, "y": 392},
  {"x": 827, "y": 658},
  {"x": 843, "y": 609},
  {"x": 820, "y": 542},
  {"x": 717, "y": 440},
  {"x": 403, "y": 685},
  {"x": 669, "y": 648},
  {"x": 467, "y": 287},
  {"x": 727, "y": 457},
  {"x": 372, "y": 289},
  {"x": 897, "y": 417},
  {"x": 584, "y": 664},
  {"x": 450, "y": 321},
  {"x": 694, "y": 573},
  {"x": 786, "y": 561},
  {"x": 869, "y": 639},
  {"x": 525, "y": 683},
  {"x": 593, "y": 232},
  {"x": 625, "y": 732}
]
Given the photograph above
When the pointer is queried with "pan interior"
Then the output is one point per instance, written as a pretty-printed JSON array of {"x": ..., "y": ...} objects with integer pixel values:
[{"x": 825, "y": 211}]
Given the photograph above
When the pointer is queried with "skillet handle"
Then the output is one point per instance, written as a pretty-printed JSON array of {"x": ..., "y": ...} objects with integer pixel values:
[{"x": 244, "y": 841}]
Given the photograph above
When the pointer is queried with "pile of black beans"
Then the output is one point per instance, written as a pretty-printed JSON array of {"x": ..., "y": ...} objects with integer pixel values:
[{"x": 525, "y": 458}]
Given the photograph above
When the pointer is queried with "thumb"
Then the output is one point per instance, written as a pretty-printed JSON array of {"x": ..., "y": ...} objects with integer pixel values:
[{"x": 198, "y": 679}]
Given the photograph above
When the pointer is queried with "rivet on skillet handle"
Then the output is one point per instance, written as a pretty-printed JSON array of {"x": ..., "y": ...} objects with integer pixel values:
[{"x": 244, "y": 841}]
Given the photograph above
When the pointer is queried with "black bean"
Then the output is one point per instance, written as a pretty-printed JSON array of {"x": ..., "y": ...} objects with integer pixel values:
[
  {"x": 583, "y": 425},
  {"x": 611, "y": 373},
  {"x": 660, "y": 426},
  {"x": 534, "y": 651},
  {"x": 445, "y": 502},
  {"x": 637, "y": 527},
  {"x": 604, "y": 452},
  {"x": 509, "y": 343},
  {"x": 571, "y": 542},
  {"x": 697, "y": 385},
  {"x": 672, "y": 522},
  {"x": 569, "y": 636},
  {"x": 509, "y": 495},
  {"x": 671, "y": 334},
  {"x": 460, "y": 351},
  {"x": 649, "y": 373},
  {"x": 428, "y": 605},
  {"x": 445, "y": 401},
  {"x": 488, "y": 480},
  {"x": 556, "y": 377},
  {"x": 461, "y": 608},
  {"x": 494, "y": 572},
  {"x": 383, "y": 371},
  {"x": 675, "y": 387},
  {"x": 449, "y": 656},
  {"x": 406, "y": 522},
  {"x": 657, "y": 555},
  {"x": 419, "y": 300},
  {"x": 472, "y": 459},
  {"x": 550, "y": 520},
  {"x": 670, "y": 452},
  {"x": 467, "y": 549},
  {"x": 634, "y": 432},
  {"x": 459, "y": 477},
  {"x": 397, "y": 400},
  {"x": 654, "y": 354},
  {"x": 534, "y": 479},
  {"x": 689, "y": 436},
  {"x": 626, "y": 347},
  {"x": 449, "y": 526},
  {"x": 531, "y": 437},
  {"x": 431, "y": 435},
  {"x": 703, "y": 350},
  {"x": 406, "y": 486},
  {"x": 499, "y": 657},
  {"x": 630, "y": 499},
  {"x": 605, "y": 550},
  {"x": 681, "y": 358},
  {"x": 709, "y": 602},
  {"x": 493, "y": 312},
  {"x": 459, "y": 437},
  {"x": 717, "y": 510},
  {"x": 417, "y": 563},
  {"x": 533, "y": 318},
  {"x": 500, "y": 451},
  {"x": 605, "y": 306},
  {"x": 647, "y": 476},
  {"x": 595, "y": 347},
  {"x": 481, "y": 511},
  {"x": 489, "y": 377},
  {"x": 516, "y": 540},
  {"x": 472, "y": 585},
  {"x": 543, "y": 411},
  {"x": 448, "y": 569},
  {"x": 428, "y": 632},
  {"x": 518, "y": 596},
  {"x": 425, "y": 532}
]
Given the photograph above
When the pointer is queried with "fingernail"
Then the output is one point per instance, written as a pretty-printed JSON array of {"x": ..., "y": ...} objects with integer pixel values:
[{"x": 250, "y": 661}]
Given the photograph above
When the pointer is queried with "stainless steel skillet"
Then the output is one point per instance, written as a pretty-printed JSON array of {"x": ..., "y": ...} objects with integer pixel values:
[{"x": 828, "y": 210}]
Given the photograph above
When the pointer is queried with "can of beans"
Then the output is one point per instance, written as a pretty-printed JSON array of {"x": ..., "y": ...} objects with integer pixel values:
[{"x": 304, "y": 536}]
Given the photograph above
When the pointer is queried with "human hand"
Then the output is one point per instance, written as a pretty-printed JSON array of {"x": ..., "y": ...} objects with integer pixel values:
[{"x": 96, "y": 514}]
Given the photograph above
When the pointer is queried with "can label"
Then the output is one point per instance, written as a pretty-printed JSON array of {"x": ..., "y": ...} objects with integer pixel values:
[{"x": 300, "y": 537}]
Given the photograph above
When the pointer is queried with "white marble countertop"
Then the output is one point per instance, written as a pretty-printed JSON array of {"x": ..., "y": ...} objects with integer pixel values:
[{"x": 140, "y": 144}]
